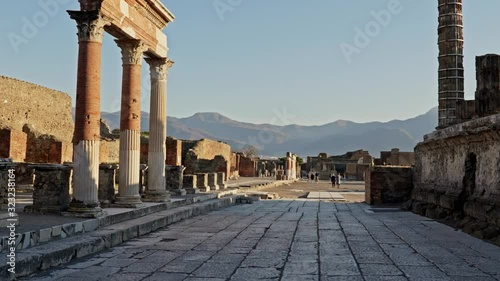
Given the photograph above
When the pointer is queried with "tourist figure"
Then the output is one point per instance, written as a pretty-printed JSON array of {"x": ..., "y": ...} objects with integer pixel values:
[
  {"x": 332, "y": 178},
  {"x": 317, "y": 177},
  {"x": 338, "y": 181},
  {"x": 312, "y": 177}
]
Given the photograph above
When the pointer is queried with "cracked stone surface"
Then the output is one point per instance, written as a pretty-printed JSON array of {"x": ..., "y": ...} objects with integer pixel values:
[{"x": 293, "y": 240}]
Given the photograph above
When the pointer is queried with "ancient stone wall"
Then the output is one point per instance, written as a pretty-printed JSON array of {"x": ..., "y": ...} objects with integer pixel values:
[
  {"x": 43, "y": 114},
  {"x": 388, "y": 184},
  {"x": 206, "y": 156},
  {"x": 457, "y": 174},
  {"x": 47, "y": 111}
]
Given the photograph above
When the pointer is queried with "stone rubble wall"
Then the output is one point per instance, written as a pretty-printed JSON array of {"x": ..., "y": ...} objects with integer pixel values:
[{"x": 457, "y": 175}]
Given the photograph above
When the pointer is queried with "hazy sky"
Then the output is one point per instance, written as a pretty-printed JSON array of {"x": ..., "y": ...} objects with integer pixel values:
[{"x": 258, "y": 60}]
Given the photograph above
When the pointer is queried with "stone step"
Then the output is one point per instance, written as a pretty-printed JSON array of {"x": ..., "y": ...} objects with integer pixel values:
[
  {"x": 113, "y": 215},
  {"x": 59, "y": 252}
]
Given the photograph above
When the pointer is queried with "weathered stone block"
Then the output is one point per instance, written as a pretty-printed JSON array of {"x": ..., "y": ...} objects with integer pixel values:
[
  {"x": 202, "y": 182},
  {"x": 190, "y": 183},
  {"x": 51, "y": 188},
  {"x": 221, "y": 179},
  {"x": 212, "y": 181},
  {"x": 107, "y": 184},
  {"x": 174, "y": 177}
]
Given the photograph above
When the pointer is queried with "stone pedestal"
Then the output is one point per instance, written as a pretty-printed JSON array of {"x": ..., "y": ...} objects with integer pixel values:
[
  {"x": 51, "y": 189},
  {"x": 221, "y": 180},
  {"x": 212, "y": 181},
  {"x": 174, "y": 179},
  {"x": 202, "y": 182},
  {"x": 107, "y": 186},
  {"x": 190, "y": 184}
]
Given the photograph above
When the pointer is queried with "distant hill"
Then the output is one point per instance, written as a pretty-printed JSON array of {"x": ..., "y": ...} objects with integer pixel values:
[{"x": 271, "y": 140}]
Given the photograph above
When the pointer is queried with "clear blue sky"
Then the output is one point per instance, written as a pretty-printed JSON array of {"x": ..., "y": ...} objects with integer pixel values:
[{"x": 263, "y": 56}]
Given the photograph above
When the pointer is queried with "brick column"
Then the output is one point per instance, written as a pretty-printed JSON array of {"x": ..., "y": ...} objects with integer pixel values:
[
  {"x": 156, "y": 191},
  {"x": 87, "y": 114},
  {"x": 130, "y": 123}
]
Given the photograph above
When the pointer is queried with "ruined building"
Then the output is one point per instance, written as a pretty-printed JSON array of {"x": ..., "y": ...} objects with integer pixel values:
[
  {"x": 352, "y": 164},
  {"x": 457, "y": 169}
]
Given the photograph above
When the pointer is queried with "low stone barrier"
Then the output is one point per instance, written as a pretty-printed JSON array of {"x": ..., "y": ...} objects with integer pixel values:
[{"x": 388, "y": 184}]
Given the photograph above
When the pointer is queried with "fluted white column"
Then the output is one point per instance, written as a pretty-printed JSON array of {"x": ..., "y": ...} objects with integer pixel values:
[{"x": 156, "y": 191}]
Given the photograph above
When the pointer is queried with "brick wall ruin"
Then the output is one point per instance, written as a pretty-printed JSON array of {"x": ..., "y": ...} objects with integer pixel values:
[
  {"x": 388, "y": 184},
  {"x": 44, "y": 117},
  {"x": 174, "y": 152}
]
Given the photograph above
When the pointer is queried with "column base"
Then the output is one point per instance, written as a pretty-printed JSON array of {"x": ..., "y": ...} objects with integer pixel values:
[
  {"x": 214, "y": 187},
  {"x": 132, "y": 201},
  {"x": 83, "y": 210},
  {"x": 178, "y": 192},
  {"x": 204, "y": 188},
  {"x": 156, "y": 196},
  {"x": 192, "y": 190}
]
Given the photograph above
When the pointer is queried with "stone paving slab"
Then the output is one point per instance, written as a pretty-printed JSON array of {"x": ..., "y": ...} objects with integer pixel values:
[
  {"x": 293, "y": 240},
  {"x": 54, "y": 253},
  {"x": 323, "y": 195}
]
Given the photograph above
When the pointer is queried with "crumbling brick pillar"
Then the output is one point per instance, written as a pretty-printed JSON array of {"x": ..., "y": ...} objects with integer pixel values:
[
  {"x": 488, "y": 85},
  {"x": 156, "y": 190},
  {"x": 51, "y": 188},
  {"x": 87, "y": 113},
  {"x": 174, "y": 152},
  {"x": 130, "y": 123}
]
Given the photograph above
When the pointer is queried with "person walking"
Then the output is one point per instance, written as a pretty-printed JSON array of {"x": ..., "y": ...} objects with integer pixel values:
[
  {"x": 338, "y": 181},
  {"x": 332, "y": 178},
  {"x": 316, "y": 177}
]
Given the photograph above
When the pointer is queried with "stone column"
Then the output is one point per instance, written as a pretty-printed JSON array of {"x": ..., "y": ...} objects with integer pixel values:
[
  {"x": 130, "y": 123},
  {"x": 87, "y": 113},
  {"x": 156, "y": 191}
]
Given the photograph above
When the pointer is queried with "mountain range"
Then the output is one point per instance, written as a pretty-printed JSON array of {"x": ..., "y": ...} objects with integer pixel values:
[{"x": 271, "y": 140}]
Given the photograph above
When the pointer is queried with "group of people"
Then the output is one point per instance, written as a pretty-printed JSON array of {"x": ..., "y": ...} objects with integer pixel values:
[{"x": 335, "y": 179}]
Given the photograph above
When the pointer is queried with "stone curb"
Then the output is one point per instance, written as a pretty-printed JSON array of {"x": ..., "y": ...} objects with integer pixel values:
[
  {"x": 59, "y": 252},
  {"x": 38, "y": 237},
  {"x": 253, "y": 187}
]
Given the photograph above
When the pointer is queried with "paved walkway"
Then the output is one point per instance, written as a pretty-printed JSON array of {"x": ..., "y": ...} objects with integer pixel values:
[{"x": 294, "y": 241}]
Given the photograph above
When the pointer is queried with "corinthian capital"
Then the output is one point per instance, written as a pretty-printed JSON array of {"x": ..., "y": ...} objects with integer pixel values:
[
  {"x": 159, "y": 67},
  {"x": 132, "y": 50},
  {"x": 90, "y": 25}
]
